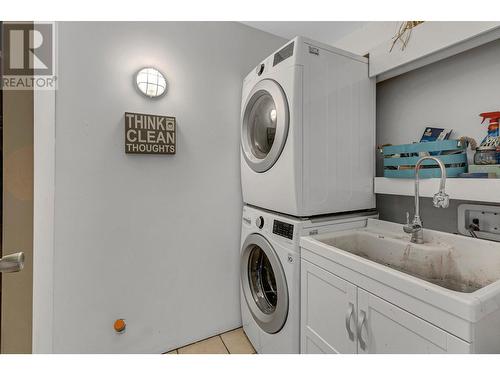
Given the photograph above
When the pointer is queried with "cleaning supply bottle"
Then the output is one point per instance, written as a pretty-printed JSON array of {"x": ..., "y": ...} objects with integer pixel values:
[
  {"x": 492, "y": 136},
  {"x": 491, "y": 143}
]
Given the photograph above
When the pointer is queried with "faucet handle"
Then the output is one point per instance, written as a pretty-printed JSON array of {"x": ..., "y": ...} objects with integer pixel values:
[{"x": 441, "y": 199}]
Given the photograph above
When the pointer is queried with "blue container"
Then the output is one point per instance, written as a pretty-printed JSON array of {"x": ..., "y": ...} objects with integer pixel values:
[{"x": 400, "y": 160}]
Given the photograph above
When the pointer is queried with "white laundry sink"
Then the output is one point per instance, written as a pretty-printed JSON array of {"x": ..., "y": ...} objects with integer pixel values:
[
  {"x": 453, "y": 262},
  {"x": 450, "y": 281}
]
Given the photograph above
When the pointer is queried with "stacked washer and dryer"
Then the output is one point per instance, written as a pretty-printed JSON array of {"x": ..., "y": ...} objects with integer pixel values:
[{"x": 307, "y": 167}]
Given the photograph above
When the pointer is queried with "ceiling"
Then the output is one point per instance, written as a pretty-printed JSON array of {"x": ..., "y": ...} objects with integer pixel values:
[{"x": 323, "y": 31}]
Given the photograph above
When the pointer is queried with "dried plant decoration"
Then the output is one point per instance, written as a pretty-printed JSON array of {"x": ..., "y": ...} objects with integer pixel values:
[{"x": 403, "y": 34}]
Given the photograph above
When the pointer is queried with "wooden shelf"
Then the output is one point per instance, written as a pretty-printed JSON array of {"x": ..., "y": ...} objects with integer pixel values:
[{"x": 470, "y": 189}]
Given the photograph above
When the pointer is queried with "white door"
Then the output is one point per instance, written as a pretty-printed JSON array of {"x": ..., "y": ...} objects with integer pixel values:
[
  {"x": 385, "y": 328},
  {"x": 264, "y": 125},
  {"x": 328, "y": 312},
  {"x": 16, "y": 222}
]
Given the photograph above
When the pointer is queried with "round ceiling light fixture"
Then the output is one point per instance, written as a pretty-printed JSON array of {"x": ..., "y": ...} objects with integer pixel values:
[{"x": 151, "y": 82}]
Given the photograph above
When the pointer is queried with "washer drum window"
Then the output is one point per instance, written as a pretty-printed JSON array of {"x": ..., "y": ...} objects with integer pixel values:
[{"x": 264, "y": 284}]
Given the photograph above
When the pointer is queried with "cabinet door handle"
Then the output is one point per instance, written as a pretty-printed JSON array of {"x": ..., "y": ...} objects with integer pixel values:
[
  {"x": 348, "y": 317},
  {"x": 361, "y": 322}
]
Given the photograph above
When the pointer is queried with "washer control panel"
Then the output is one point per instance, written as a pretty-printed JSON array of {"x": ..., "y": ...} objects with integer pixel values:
[{"x": 283, "y": 229}]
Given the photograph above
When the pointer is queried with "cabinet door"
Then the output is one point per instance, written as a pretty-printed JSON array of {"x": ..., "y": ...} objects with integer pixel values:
[
  {"x": 328, "y": 312},
  {"x": 385, "y": 328}
]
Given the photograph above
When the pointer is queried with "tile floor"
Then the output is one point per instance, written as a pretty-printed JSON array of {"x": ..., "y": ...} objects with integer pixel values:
[{"x": 232, "y": 342}]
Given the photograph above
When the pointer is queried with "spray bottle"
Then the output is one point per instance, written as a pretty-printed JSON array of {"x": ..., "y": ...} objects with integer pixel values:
[
  {"x": 491, "y": 143},
  {"x": 494, "y": 118}
]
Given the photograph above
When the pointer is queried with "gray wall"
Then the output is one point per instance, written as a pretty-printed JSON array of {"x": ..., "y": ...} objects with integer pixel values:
[
  {"x": 394, "y": 208},
  {"x": 448, "y": 94},
  {"x": 151, "y": 239}
]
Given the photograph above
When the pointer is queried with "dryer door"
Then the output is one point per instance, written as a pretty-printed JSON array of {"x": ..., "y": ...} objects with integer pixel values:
[
  {"x": 264, "y": 125},
  {"x": 264, "y": 284}
]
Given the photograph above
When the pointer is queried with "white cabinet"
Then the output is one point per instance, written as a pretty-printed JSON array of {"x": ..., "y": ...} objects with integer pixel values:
[
  {"x": 328, "y": 312},
  {"x": 339, "y": 317},
  {"x": 384, "y": 328}
]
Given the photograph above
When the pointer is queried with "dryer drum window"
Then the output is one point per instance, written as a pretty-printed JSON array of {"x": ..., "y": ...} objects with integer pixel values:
[
  {"x": 262, "y": 281},
  {"x": 264, "y": 125}
]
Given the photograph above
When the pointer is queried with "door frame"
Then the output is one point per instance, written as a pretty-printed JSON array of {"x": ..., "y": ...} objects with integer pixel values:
[{"x": 43, "y": 217}]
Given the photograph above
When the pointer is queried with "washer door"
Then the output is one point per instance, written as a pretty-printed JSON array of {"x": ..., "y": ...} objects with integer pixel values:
[
  {"x": 264, "y": 126},
  {"x": 264, "y": 284}
]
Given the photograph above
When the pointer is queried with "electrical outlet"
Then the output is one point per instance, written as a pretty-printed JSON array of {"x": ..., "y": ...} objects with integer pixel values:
[{"x": 487, "y": 218}]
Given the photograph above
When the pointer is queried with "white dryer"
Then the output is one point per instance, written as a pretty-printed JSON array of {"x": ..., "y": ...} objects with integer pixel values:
[
  {"x": 270, "y": 274},
  {"x": 308, "y": 131}
]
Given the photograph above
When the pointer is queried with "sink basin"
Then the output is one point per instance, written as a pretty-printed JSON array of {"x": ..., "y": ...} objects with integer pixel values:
[
  {"x": 453, "y": 262},
  {"x": 449, "y": 286}
]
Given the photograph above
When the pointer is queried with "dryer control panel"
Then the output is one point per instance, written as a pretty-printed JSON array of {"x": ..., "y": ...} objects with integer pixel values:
[
  {"x": 283, "y": 229},
  {"x": 283, "y": 54}
]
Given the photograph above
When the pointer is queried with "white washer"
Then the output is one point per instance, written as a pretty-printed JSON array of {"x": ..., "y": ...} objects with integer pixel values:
[
  {"x": 308, "y": 131},
  {"x": 270, "y": 274}
]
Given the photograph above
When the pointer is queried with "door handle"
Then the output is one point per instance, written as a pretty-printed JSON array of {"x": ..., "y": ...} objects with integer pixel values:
[
  {"x": 348, "y": 317},
  {"x": 361, "y": 323},
  {"x": 12, "y": 262}
]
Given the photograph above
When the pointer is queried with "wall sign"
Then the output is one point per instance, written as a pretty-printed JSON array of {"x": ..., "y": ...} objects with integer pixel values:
[{"x": 149, "y": 134}]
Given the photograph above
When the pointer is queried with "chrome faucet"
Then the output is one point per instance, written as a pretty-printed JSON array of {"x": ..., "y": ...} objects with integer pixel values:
[{"x": 440, "y": 200}]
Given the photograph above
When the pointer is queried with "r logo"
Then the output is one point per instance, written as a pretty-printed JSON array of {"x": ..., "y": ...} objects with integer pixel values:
[{"x": 28, "y": 49}]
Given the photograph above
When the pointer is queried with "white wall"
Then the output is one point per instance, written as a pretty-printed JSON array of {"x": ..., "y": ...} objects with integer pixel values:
[
  {"x": 151, "y": 239},
  {"x": 328, "y": 32},
  {"x": 358, "y": 37},
  {"x": 367, "y": 37}
]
